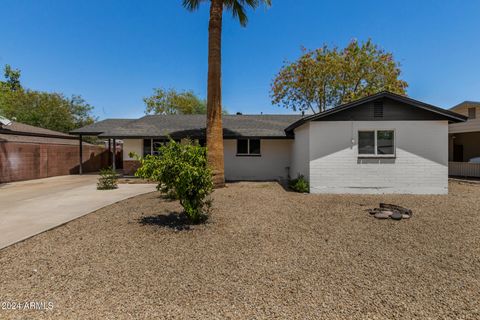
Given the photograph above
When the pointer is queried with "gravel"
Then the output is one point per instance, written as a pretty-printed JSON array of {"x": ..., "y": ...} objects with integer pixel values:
[{"x": 265, "y": 253}]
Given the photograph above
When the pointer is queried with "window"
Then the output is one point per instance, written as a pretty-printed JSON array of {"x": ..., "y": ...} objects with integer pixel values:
[
  {"x": 248, "y": 147},
  {"x": 242, "y": 146},
  {"x": 376, "y": 143},
  {"x": 254, "y": 146},
  {"x": 150, "y": 146},
  {"x": 366, "y": 142},
  {"x": 147, "y": 146},
  {"x": 385, "y": 142},
  {"x": 472, "y": 113}
]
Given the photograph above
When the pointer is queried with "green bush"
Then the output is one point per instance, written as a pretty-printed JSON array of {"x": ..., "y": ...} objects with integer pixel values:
[
  {"x": 108, "y": 179},
  {"x": 299, "y": 184},
  {"x": 181, "y": 172}
]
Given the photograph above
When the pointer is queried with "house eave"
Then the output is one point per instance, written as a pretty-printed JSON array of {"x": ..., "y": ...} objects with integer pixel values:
[{"x": 453, "y": 117}]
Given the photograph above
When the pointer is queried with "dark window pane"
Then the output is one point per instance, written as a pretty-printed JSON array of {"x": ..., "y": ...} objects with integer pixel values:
[
  {"x": 254, "y": 146},
  {"x": 366, "y": 142},
  {"x": 242, "y": 146},
  {"x": 147, "y": 147},
  {"x": 385, "y": 142}
]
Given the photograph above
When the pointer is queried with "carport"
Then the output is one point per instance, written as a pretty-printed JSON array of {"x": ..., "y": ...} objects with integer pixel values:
[{"x": 95, "y": 130}]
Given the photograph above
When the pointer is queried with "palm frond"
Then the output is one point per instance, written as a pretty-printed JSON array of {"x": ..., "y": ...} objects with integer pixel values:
[
  {"x": 238, "y": 11},
  {"x": 191, "y": 5},
  {"x": 238, "y": 8}
]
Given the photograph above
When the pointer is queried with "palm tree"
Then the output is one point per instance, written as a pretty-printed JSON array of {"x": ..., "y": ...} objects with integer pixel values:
[{"x": 214, "y": 87}]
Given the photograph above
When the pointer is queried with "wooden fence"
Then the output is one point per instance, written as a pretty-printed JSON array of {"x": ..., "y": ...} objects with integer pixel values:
[
  {"x": 25, "y": 161},
  {"x": 464, "y": 169}
]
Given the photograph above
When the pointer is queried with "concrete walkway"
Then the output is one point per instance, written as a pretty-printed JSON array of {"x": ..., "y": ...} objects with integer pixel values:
[{"x": 31, "y": 207}]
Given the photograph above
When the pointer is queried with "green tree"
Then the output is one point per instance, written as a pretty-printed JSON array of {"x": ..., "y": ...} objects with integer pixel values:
[
  {"x": 328, "y": 77},
  {"x": 174, "y": 102},
  {"x": 214, "y": 86},
  {"x": 12, "y": 77},
  {"x": 47, "y": 110},
  {"x": 181, "y": 169}
]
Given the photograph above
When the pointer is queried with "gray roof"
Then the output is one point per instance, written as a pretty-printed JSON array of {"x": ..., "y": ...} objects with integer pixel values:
[
  {"x": 18, "y": 127},
  {"x": 467, "y": 103},
  {"x": 101, "y": 126},
  {"x": 267, "y": 126},
  {"x": 24, "y": 133}
]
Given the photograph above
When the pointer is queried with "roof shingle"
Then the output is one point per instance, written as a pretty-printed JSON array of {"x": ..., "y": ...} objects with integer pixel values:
[{"x": 268, "y": 126}]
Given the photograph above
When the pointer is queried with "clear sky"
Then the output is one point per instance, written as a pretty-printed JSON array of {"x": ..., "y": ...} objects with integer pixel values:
[{"x": 113, "y": 52}]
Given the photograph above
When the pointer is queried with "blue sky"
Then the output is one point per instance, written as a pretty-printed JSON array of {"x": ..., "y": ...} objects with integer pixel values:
[{"x": 114, "y": 52}]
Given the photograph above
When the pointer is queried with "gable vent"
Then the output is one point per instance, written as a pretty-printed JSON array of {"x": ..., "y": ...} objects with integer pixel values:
[{"x": 378, "y": 109}]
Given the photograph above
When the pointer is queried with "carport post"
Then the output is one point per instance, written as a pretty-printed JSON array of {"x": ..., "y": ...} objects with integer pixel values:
[
  {"x": 80, "y": 169},
  {"x": 114, "y": 154}
]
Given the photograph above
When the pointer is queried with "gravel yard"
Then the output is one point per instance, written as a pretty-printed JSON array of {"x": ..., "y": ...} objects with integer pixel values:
[{"x": 265, "y": 253}]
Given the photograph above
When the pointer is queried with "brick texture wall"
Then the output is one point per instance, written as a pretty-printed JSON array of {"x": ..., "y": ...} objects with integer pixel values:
[
  {"x": 420, "y": 165},
  {"x": 25, "y": 161},
  {"x": 130, "y": 166}
]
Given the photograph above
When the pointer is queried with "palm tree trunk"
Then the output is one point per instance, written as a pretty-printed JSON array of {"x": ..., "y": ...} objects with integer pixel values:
[{"x": 214, "y": 94}]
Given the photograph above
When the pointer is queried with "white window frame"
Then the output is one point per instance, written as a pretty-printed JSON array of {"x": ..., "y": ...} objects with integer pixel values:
[
  {"x": 376, "y": 155},
  {"x": 248, "y": 154}
]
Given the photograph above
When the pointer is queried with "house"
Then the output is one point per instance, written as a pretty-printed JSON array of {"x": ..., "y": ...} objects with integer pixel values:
[
  {"x": 29, "y": 152},
  {"x": 384, "y": 143},
  {"x": 464, "y": 141}
]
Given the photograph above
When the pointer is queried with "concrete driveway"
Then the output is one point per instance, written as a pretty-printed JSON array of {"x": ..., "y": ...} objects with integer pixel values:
[{"x": 31, "y": 207}]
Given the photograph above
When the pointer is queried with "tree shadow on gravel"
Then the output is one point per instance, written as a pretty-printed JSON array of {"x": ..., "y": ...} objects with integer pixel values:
[{"x": 174, "y": 220}]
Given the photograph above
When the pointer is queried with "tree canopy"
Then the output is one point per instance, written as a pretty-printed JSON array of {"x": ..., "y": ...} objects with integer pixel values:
[
  {"x": 52, "y": 111},
  {"x": 171, "y": 101},
  {"x": 328, "y": 77}
]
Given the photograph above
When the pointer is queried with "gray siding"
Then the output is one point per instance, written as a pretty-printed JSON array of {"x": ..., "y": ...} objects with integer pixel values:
[{"x": 392, "y": 111}]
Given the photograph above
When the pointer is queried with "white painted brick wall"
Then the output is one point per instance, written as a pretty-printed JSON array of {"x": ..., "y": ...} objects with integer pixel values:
[
  {"x": 132, "y": 145},
  {"x": 420, "y": 166},
  {"x": 271, "y": 165},
  {"x": 300, "y": 152}
]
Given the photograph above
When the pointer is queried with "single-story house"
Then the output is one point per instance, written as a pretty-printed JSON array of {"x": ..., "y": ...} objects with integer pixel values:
[
  {"x": 29, "y": 152},
  {"x": 464, "y": 141},
  {"x": 384, "y": 143}
]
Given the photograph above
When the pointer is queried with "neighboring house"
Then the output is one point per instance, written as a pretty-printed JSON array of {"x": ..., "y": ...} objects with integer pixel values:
[
  {"x": 28, "y": 152},
  {"x": 384, "y": 143},
  {"x": 464, "y": 141}
]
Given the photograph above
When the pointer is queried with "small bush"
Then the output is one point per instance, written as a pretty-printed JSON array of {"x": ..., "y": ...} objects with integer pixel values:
[
  {"x": 182, "y": 173},
  {"x": 108, "y": 179},
  {"x": 299, "y": 184}
]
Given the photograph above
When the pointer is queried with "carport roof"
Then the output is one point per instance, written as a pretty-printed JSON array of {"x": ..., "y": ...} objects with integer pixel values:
[
  {"x": 101, "y": 127},
  {"x": 24, "y": 133}
]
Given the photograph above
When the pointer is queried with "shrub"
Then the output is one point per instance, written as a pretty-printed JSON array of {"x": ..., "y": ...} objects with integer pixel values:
[
  {"x": 181, "y": 171},
  {"x": 108, "y": 179},
  {"x": 300, "y": 184}
]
